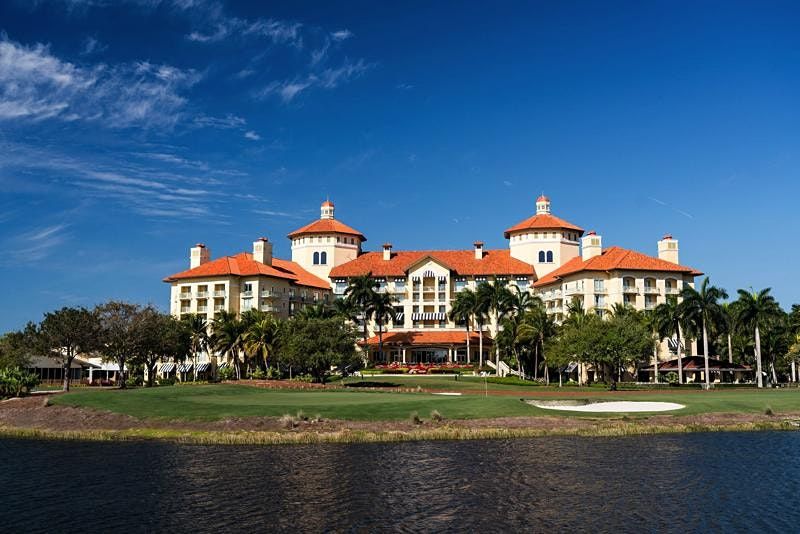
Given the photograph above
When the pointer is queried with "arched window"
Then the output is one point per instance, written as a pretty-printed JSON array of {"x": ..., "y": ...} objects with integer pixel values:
[
  {"x": 549, "y": 256},
  {"x": 541, "y": 256},
  {"x": 323, "y": 258},
  {"x": 316, "y": 258}
]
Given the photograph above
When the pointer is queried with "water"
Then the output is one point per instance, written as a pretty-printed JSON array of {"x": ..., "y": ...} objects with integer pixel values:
[{"x": 696, "y": 482}]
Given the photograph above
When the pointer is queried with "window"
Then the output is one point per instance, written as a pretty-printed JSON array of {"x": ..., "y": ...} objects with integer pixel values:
[
  {"x": 316, "y": 258},
  {"x": 599, "y": 286},
  {"x": 460, "y": 285},
  {"x": 323, "y": 258},
  {"x": 549, "y": 256},
  {"x": 522, "y": 283},
  {"x": 541, "y": 256}
]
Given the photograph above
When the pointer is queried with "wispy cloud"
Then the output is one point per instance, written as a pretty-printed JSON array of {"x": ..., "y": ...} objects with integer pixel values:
[
  {"x": 341, "y": 35},
  {"x": 329, "y": 78},
  {"x": 35, "y": 85},
  {"x": 251, "y": 135},
  {"x": 92, "y": 46},
  {"x": 507, "y": 183},
  {"x": 404, "y": 86},
  {"x": 272, "y": 213},
  {"x": 37, "y": 243},
  {"x": 670, "y": 206}
]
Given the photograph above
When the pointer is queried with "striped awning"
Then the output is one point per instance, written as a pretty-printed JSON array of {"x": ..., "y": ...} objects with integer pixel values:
[
  {"x": 184, "y": 367},
  {"x": 437, "y": 316},
  {"x": 203, "y": 367},
  {"x": 166, "y": 367},
  {"x": 443, "y": 279},
  {"x": 672, "y": 344},
  {"x": 429, "y": 274},
  {"x": 399, "y": 317},
  {"x": 415, "y": 278},
  {"x": 223, "y": 365}
]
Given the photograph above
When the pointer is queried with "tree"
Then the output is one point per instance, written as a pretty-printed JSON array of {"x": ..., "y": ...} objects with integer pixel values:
[
  {"x": 197, "y": 329},
  {"x": 462, "y": 310},
  {"x": 667, "y": 319},
  {"x": 261, "y": 338},
  {"x": 702, "y": 309},
  {"x": 227, "y": 337},
  {"x": 14, "y": 347},
  {"x": 317, "y": 311},
  {"x": 316, "y": 345},
  {"x": 65, "y": 333},
  {"x": 538, "y": 327},
  {"x": 159, "y": 337},
  {"x": 361, "y": 292},
  {"x": 117, "y": 336},
  {"x": 753, "y": 311},
  {"x": 493, "y": 300},
  {"x": 382, "y": 309}
]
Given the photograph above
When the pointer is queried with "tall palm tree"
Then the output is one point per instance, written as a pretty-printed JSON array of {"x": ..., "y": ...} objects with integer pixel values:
[
  {"x": 702, "y": 309},
  {"x": 317, "y": 311},
  {"x": 538, "y": 327},
  {"x": 494, "y": 299},
  {"x": 461, "y": 311},
  {"x": 728, "y": 325},
  {"x": 382, "y": 310},
  {"x": 260, "y": 338},
  {"x": 361, "y": 292},
  {"x": 197, "y": 328},
  {"x": 227, "y": 337},
  {"x": 667, "y": 320},
  {"x": 754, "y": 309}
]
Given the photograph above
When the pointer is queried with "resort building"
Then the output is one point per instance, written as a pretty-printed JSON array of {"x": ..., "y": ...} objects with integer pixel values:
[{"x": 546, "y": 255}]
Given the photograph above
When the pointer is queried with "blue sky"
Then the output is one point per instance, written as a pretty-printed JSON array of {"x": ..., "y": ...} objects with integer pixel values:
[{"x": 130, "y": 130}]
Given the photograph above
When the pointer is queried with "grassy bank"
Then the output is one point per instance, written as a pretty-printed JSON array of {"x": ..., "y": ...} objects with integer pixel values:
[
  {"x": 216, "y": 402},
  {"x": 442, "y": 433}
]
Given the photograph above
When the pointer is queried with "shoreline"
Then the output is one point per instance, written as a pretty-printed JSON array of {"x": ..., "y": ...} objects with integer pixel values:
[{"x": 35, "y": 418}]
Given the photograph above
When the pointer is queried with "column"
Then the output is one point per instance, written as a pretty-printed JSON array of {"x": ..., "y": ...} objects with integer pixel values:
[
  {"x": 404, "y": 355},
  {"x": 450, "y": 354}
]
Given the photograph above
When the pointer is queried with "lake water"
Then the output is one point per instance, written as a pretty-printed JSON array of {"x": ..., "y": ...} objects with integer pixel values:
[{"x": 695, "y": 482}]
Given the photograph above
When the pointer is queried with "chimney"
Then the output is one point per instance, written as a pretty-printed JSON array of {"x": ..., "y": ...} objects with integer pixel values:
[
  {"x": 262, "y": 251},
  {"x": 591, "y": 246},
  {"x": 478, "y": 250},
  {"x": 198, "y": 255},
  {"x": 668, "y": 249},
  {"x": 387, "y": 251}
]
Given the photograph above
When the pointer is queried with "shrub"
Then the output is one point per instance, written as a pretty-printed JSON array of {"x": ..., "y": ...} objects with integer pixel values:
[
  {"x": 16, "y": 382},
  {"x": 288, "y": 421},
  {"x": 436, "y": 416},
  {"x": 258, "y": 374},
  {"x": 168, "y": 381},
  {"x": 273, "y": 374},
  {"x": 768, "y": 410},
  {"x": 672, "y": 378},
  {"x": 415, "y": 418},
  {"x": 226, "y": 373}
]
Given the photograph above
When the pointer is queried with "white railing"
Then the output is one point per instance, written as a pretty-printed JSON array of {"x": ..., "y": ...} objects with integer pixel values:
[
  {"x": 672, "y": 290},
  {"x": 630, "y": 289},
  {"x": 651, "y": 291},
  {"x": 185, "y": 296},
  {"x": 202, "y": 294},
  {"x": 219, "y": 293},
  {"x": 219, "y": 307},
  {"x": 573, "y": 290},
  {"x": 201, "y": 309},
  {"x": 247, "y": 293}
]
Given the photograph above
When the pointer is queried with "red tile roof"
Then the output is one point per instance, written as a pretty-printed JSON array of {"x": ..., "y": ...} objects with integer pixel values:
[
  {"x": 430, "y": 337},
  {"x": 615, "y": 259},
  {"x": 463, "y": 262},
  {"x": 697, "y": 363},
  {"x": 543, "y": 222},
  {"x": 243, "y": 264},
  {"x": 326, "y": 226}
]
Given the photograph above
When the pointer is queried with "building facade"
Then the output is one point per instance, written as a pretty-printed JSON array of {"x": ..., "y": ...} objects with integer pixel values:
[{"x": 546, "y": 255}]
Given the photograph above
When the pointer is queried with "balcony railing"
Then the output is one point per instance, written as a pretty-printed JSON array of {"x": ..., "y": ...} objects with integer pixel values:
[
  {"x": 202, "y": 309},
  {"x": 266, "y": 293},
  {"x": 202, "y": 294},
  {"x": 219, "y": 293},
  {"x": 651, "y": 291},
  {"x": 267, "y": 308},
  {"x": 632, "y": 290},
  {"x": 247, "y": 294},
  {"x": 219, "y": 307},
  {"x": 672, "y": 290},
  {"x": 185, "y": 296},
  {"x": 573, "y": 290}
]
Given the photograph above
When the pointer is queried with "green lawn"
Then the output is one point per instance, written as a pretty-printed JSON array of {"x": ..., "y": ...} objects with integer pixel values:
[{"x": 212, "y": 402}]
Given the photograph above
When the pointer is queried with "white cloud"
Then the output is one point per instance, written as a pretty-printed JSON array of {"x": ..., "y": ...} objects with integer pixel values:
[
  {"x": 341, "y": 35},
  {"x": 327, "y": 79},
  {"x": 229, "y": 121},
  {"x": 37, "y": 244},
  {"x": 253, "y": 136},
  {"x": 507, "y": 183},
  {"x": 92, "y": 46},
  {"x": 36, "y": 85}
]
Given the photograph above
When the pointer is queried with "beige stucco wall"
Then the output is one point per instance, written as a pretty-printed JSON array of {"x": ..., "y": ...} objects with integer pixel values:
[
  {"x": 526, "y": 245},
  {"x": 338, "y": 248}
]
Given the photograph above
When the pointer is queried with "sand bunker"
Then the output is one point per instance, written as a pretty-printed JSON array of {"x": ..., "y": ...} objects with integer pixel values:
[
  {"x": 448, "y": 393},
  {"x": 602, "y": 406}
]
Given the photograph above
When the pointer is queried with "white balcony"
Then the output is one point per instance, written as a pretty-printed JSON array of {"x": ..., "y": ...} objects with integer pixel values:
[
  {"x": 247, "y": 294},
  {"x": 672, "y": 291},
  {"x": 651, "y": 291},
  {"x": 219, "y": 293},
  {"x": 573, "y": 291},
  {"x": 219, "y": 307},
  {"x": 201, "y": 309},
  {"x": 630, "y": 290},
  {"x": 202, "y": 294},
  {"x": 268, "y": 308},
  {"x": 185, "y": 296}
]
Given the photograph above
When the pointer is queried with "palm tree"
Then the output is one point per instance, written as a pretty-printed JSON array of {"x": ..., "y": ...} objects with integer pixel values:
[
  {"x": 361, "y": 293},
  {"x": 538, "y": 327},
  {"x": 462, "y": 310},
  {"x": 754, "y": 309},
  {"x": 728, "y": 325},
  {"x": 260, "y": 338},
  {"x": 494, "y": 299},
  {"x": 226, "y": 337},
  {"x": 317, "y": 311},
  {"x": 197, "y": 328},
  {"x": 382, "y": 309},
  {"x": 667, "y": 320},
  {"x": 702, "y": 309}
]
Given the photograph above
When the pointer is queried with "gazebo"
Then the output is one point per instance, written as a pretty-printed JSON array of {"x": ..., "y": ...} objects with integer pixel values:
[{"x": 694, "y": 367}]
